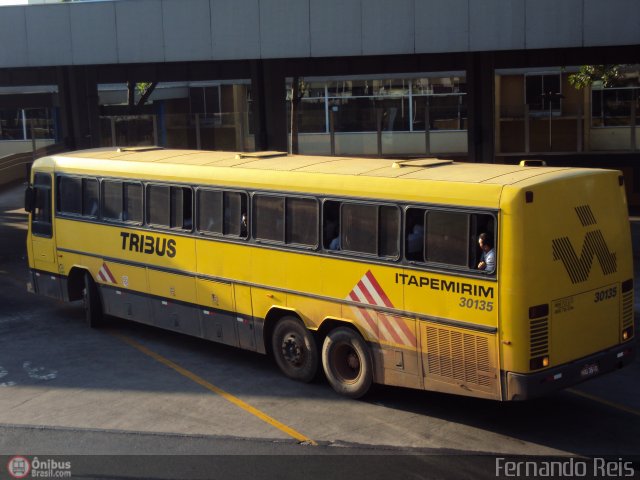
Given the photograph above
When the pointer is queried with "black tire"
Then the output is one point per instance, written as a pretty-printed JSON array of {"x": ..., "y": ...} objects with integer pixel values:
[
  {"x": 295, "y": 350},
  {"x": 93, "y": 314},
  {"x": 346, "y": 360}
]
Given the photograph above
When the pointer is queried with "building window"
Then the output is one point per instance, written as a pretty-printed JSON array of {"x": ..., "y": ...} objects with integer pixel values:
[
  {"x": 25, "y": 124},
  {"x": 391, "y": 104},
  {"x": 543, "y": 93},
  {"x": 612, "y": 107}
]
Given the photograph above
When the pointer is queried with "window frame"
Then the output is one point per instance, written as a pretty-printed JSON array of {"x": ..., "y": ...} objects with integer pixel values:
[
  {"x": 146, "y": 206},
  {"x": 122, "y": 181},
  {"x": 446, "y": 266},
  {"x": 252, "y": 224},
  {"x": 47, "y": 231},
  {"x": 222, "y": 191},
  {"x": 378, "y": 205}
]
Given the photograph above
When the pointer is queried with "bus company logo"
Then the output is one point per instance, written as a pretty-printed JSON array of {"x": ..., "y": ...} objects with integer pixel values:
[
  {"x": 594, "y": 245},
  {"x": 18, "y": 467},
  {"x": 380, "y": 326}
]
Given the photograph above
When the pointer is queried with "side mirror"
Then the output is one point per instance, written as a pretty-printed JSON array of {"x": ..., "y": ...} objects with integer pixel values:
[{"x": 29, "y": 199}]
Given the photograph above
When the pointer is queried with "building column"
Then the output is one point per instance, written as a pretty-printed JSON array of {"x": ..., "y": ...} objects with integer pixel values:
[
  {"x": 480, "y": 107},
  {"x": 79, "y": 109},
  {"x": 269, "y": 114}
]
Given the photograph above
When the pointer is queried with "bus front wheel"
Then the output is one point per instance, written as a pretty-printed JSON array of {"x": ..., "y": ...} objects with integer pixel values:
[
  {"x": 92, "y": 305},
  {"x": 295, "y": 349},
  {"x": 347, "y": 362}
]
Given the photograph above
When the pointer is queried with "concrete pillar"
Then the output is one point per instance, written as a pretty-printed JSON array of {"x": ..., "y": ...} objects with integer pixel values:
[
  {"x": 270, "y": 116},
  {"x": 79, "y": 109},
  {"x": 480, "y": 107}
]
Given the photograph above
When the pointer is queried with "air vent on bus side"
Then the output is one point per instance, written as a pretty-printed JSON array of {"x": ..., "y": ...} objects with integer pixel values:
[
  {"x": 460, "y": 358},
  {"x": 627, "y": 304},
  {"x": 539, "y": 336}
]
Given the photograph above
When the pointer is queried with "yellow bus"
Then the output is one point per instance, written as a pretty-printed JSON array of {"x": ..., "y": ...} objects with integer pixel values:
[{"x": 369, "y": 269}]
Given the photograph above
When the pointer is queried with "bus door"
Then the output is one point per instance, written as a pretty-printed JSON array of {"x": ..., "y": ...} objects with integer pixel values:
[{"x": 42, "y": 243}]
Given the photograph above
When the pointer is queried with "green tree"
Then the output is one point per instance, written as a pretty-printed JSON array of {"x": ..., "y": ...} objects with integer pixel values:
[{"x": 607, "y": 74}]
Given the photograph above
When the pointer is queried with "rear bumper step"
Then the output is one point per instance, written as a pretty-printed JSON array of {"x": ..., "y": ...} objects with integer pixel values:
[{"x": 524, "y": 386}]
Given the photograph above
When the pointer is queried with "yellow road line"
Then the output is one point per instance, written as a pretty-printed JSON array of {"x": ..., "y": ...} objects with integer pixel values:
[
  {"x": 212, "y": 388},
  {"x": 609, "y": 403}
]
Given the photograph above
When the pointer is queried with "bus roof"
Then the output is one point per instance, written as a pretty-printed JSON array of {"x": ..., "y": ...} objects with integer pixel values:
[{"x": 411, "y": 180}]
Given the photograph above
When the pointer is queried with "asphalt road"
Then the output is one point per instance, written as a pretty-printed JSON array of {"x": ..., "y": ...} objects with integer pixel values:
[{"x": 131, "y": 389}]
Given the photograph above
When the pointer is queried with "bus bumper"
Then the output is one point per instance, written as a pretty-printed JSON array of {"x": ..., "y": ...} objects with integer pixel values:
[{"x": 524, "y": 386}]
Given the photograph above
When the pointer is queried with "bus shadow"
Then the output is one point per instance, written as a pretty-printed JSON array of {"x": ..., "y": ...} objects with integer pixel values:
[{"x": 563, "y": 421}]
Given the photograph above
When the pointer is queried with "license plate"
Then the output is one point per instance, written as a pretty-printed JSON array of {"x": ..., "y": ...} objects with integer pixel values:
[{"x": 590, "y": 370}]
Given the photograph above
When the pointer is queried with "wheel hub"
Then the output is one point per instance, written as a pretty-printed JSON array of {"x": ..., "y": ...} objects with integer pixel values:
[{"x": 292, "y": 350}]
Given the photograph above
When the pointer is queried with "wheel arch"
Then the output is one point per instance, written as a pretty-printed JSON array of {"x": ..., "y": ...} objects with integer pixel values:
[
  {"x": 75, "y": 282},
  {"x": 331, "y": 323}
]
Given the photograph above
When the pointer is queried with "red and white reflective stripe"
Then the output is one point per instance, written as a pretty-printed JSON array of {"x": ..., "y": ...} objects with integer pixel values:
[
  {"x": 105, "y": 275},
  {"x": 380, "y": 326}
]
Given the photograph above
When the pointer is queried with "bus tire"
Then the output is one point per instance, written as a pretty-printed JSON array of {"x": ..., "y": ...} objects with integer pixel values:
[
  {"x": 295, "y": 350},
  {"x": 93, "y": 314},
  {"x": 346, "y": 360}
]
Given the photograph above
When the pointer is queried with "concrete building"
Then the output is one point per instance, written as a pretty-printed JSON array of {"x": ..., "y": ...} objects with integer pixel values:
[{"x": 480, "y": 80}]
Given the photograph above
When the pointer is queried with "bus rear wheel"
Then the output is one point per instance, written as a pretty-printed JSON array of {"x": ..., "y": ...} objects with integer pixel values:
[
  {"x": 92, "y": 305},
  {"x": 346, "y": 361},
  {"x": 295, "y": 350}
]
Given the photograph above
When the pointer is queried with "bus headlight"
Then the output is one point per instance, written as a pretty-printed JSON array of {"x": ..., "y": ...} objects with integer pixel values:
[{"x": 627, "y": 333}]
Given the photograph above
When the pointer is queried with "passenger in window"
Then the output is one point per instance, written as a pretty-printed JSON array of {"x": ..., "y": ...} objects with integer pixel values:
[
  {"x": 331, "y": 235},
  {"x": 415, "y": 241},
  {"x": 93, "y": 208},
  {"x": 488, "y": 258},
  {"x": 243, "y": 225}
]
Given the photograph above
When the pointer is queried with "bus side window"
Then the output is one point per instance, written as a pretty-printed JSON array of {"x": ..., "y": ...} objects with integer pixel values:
[
  {"x": 112, "y": 200},
  {"x": 69, "y": 195},
  {"x": 268, "y": 217},
  {"x": 447, "y": 236},
  {"x": 359, "y": 228},
  {"x": 331, "y": 225},
  {"x": 301, "y": 221},
  {"x": 158, "y": 205},
  {"x": 210, "y": 211},
  {"x": 90, "y": 197},
  {"x": 41, "y": 216},
  {"x": 414, "y": 234},
  {"x": 480, "y": 223},
  {"x": 181, "y": 208},
  {"x": 132, "y": 202},
  {"x": 235, "y": 214}
]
